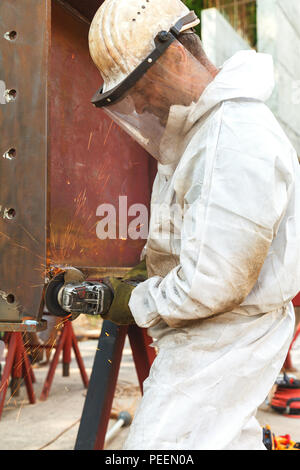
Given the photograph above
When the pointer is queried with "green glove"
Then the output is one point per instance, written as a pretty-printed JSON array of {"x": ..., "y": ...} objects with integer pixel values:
[
  {"x": 138, "y": 273},
  {"x": 119, "y": 311}
]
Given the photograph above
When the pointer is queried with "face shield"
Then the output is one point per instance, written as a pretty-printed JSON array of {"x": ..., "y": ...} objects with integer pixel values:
[{"x": 142, "y": 103}]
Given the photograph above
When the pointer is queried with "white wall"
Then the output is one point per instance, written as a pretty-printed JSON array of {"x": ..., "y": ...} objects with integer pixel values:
[
  {"x": 220, "y": 40},
  {"x": 278, "y": 23}
]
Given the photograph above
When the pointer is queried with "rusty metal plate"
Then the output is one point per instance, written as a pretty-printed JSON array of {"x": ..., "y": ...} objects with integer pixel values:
[
  {"x": 24, "y": 27},
  {"x": 86, "y": 8},
  {"x": 91, "y": 160},
  {"x": 60, "y": 158}
]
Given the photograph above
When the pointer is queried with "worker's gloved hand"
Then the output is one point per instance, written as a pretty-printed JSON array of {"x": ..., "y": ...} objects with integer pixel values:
[
  {"x": 138, "y": 273},
  {"x": 119, "y": 311}
]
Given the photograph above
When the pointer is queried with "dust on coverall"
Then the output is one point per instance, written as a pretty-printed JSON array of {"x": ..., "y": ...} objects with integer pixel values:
[{"x": 218, "y": 302}]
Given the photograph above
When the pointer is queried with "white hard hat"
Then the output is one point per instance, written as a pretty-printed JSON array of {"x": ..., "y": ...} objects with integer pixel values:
[{"x": 122, "y": 34}]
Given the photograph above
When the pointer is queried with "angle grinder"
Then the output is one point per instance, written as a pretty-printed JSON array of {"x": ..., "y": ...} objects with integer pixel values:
[{"x": 69, "y": 294}]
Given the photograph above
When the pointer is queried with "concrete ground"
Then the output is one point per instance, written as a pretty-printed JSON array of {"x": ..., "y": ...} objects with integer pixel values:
[{"x": 53, "y": 424}]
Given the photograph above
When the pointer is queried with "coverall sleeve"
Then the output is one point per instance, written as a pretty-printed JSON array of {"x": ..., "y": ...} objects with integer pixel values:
[{"x": 226, "y": 234}]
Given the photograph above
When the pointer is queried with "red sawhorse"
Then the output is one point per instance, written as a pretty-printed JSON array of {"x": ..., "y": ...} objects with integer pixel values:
[
  {"x": 288, "y": 366},
  {"x": 103, "y": 381},
  {"x": 18, "y": 367},
  {"x": 66, "y": 342}
]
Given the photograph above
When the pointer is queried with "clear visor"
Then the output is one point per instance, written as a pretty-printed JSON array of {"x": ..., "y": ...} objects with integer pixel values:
[{"x": 143, "y": 112}]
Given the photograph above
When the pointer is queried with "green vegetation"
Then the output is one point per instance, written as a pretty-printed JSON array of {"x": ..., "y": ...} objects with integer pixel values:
[
  {"x": 241, "y": 15},
  {"x": 197, "y": 6}
]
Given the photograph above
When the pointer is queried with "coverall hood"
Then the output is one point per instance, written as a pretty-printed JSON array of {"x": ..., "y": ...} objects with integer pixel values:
[{"x": 246, "y": 75}]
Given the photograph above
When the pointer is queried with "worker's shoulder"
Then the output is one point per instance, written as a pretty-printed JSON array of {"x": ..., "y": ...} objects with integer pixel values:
[
  {"x": 249, "y": 123},
  {"x": 249, "y": 112}
]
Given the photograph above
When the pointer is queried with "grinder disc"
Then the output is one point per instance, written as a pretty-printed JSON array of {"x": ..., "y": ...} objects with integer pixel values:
[
  {"x": 55, "y": 285},
  {"x": 51, "y": 296}
]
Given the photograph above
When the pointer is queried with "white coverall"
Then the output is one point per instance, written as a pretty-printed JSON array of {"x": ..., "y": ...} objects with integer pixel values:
[{"x": 218, "y": 302}]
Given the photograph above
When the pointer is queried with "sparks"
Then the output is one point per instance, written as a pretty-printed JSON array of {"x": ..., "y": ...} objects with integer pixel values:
[
  {"x": 90, "y": 139},
  {"x": 105, "y": 140}
]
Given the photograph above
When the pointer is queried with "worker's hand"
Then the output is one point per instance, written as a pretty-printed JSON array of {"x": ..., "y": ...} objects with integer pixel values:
[
  {"x": 138, "y": 273},
  {"x": 119, "y": 311}
]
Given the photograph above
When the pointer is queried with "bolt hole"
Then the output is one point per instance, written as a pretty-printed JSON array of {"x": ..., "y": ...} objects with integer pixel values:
[
  {"x": 10, "y": 213},
  {"x": 11, "y": 35},
  {"x": 10, "y": 298},
  {"x": 10, "y": 154},
  {"x": 10, "y": 95}
]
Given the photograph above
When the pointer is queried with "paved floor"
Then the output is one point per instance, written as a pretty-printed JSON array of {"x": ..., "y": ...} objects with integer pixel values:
[{"x": 53, "y": 424}]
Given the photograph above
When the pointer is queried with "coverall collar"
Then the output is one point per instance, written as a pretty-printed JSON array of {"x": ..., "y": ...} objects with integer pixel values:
[{"x": 247, "y": 74}]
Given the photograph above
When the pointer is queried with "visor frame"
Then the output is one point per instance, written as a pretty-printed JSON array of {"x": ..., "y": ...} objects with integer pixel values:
[{"x": 162, "y": 41}]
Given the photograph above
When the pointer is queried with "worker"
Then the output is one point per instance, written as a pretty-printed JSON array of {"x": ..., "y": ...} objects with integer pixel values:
[{"x": 217, "y": 300}]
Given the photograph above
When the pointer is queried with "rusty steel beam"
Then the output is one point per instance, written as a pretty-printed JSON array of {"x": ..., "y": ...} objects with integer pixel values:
[{"x": 24, "y": 39}]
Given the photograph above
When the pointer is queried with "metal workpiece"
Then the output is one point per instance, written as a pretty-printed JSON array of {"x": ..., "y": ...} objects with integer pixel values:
[
  {"x": 29, "y": 326},
  {"x": 60, "y": 158},
  {"x": 91, "y": 161},
  {"x": 24, "y": 39}
]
